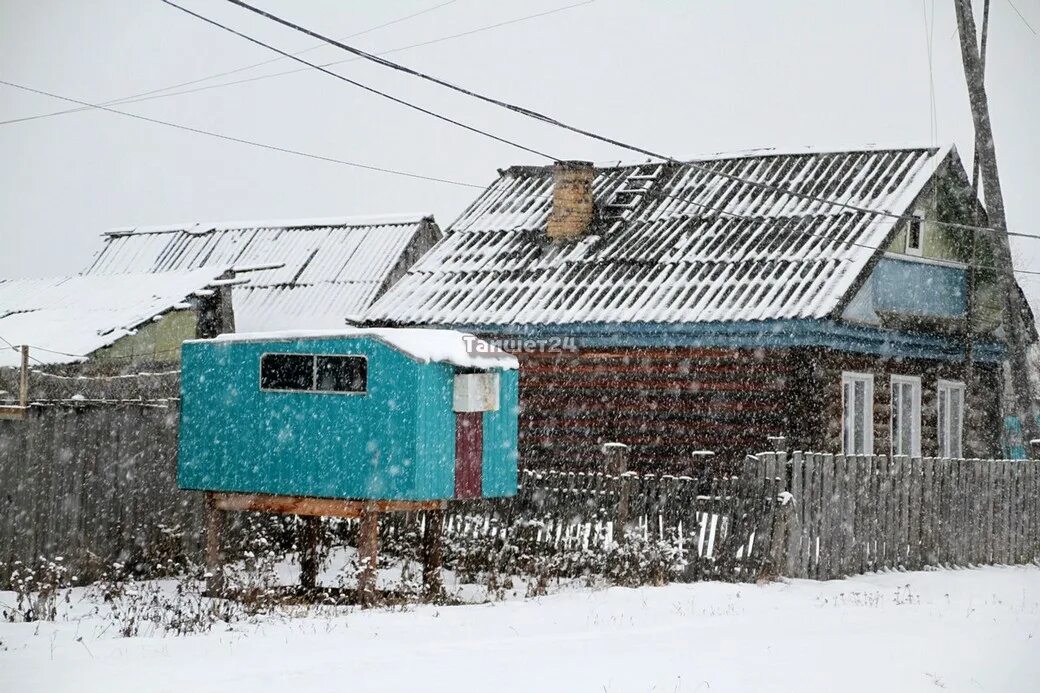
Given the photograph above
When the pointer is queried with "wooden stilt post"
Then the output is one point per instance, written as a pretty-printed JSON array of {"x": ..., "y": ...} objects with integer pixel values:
[
  {"x": 368, "y": 544},
  {"x": 309, "y": 552},
  {"x": 214, "y": 529},
  {"x": 432, "y": 554},
  {"x": 23, "y": 378}
]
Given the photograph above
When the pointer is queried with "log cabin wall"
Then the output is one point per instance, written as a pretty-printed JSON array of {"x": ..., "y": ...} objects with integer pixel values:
[
  {"x": 982, "y": 418},
  {"x": 665, "y": 403}
]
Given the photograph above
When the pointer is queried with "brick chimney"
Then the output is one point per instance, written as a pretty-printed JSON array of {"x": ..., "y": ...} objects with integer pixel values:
[{"x": 572, "y": 209}]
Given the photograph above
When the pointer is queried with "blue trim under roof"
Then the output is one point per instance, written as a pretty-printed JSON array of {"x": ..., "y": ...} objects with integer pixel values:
[{"x": 829, "y": 334}]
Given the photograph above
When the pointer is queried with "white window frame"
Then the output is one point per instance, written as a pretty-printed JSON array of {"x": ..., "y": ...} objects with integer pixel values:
[
  {"x": 915, "y": 414},
  {"x": 943, "y": 390},
  {"x": 850, "y": 378},
  {"x": 917, "y": 250}
]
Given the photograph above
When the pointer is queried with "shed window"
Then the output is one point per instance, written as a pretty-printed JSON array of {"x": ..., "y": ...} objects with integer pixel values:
[
  {"x": 314, "y": 373},
  {"x": 286, "y": 372},
  {"x": 915, "y": 236},
  {"x": 951, "y": 418},
  {"x": 341, "y": 374},
  {"x": 906, "y": 415},
  {"x": 857, "y": 413}
]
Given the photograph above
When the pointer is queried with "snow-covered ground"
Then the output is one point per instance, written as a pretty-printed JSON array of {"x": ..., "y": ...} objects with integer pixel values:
[{"x": 964, "y": 630}]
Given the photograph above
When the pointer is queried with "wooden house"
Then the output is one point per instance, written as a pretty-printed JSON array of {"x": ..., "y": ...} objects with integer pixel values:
[
  {"x": 403, "y": 415},
  {"x": 815, "y": 300}
]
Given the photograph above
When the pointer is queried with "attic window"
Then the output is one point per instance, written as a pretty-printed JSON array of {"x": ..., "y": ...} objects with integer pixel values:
[
  {"x": 915, "y": 236},
  {"x": 314, "y": 373}
]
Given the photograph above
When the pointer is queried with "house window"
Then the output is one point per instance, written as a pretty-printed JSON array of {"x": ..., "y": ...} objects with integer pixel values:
[
  {"x": 857, "y": 413},
  {"x": 314, "y": 373},
  {"x": 951, "y": 418},
  {"x": 906, "y": 415},
  {"x": 915, "y": 236}
]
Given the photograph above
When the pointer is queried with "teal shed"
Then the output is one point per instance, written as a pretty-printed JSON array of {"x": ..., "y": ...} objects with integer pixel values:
[{"x": 371, "y": 414}]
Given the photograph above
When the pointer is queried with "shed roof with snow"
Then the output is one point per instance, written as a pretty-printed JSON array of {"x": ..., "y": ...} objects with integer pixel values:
[
  {"x": 671, "y": 243},
  {"x": 329, "y": 269},
  {"x": 65, "y": 319}
]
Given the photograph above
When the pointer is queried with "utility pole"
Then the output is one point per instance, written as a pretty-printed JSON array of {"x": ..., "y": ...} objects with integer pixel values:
[
  {"x": 974, "y": 445},
  {"x": 986, "y": 156}
]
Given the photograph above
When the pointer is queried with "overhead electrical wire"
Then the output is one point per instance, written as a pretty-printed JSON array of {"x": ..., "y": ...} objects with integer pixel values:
[
  {"x": 240, "y": 140},
  {"x": 155, "y": 93},
  {"x": 166, "y": 92},
  {"x": 1022, "y": 17},
  {"x": 355, "y": 83},
  {"x": 587, "y": 133},
  {"x": 707, "y": 169}
]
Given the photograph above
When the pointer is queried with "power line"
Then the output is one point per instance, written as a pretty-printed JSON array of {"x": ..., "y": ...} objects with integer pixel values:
[
  {"x": 555, "y": 122},
  {"x": 1022, "y": 17},
  {"x": 155, "y": 93},
  {"x": 144, "y": 95},
  {"x": 367, "y": 88},
  {"x": 252, "y": 143}
]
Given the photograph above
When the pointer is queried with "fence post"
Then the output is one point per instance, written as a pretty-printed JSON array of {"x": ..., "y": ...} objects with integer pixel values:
[
  {"x": 793, "y": 565},
  {"x": 23, "y": 378},
  {"x": 615, "y": 463}
]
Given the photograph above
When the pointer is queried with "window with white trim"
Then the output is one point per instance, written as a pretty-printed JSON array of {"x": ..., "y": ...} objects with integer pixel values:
[
  {"x": 857, "y": 413},
  {"x": 951, "y": 418},
  {"x": 915, "y": 236},
  {"x": 906, "y": 415}
]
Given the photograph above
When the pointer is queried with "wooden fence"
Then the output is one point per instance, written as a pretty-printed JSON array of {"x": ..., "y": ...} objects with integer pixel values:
[
  {"x": 93, "y": 484},
  {"x": 852, "y": 515},
  {"x": 720, "y": 528},
  {"x": 97, "y": 483}
]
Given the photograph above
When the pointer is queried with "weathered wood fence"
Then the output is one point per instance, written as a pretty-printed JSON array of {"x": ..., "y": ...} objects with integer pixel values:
[
  {"x": 858, "y": 514},
  {"x": 93, "y": 484},
  {"x": 720, "y": 528},
  {"x": 96, "y": 483}
]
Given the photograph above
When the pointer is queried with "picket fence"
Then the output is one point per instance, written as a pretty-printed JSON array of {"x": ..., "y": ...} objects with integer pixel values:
[
  {"x": 856, "y": 514},
  {"x": 719, "y": 527}
]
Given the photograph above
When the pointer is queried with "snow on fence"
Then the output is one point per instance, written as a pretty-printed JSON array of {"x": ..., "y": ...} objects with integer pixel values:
[
  {"x": 93, "y": 484},
  {"x": 717, "y": 528},
  {"x": 858, "y": 514}
]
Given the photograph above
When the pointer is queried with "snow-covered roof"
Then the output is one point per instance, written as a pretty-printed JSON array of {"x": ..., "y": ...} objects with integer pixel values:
[
  {"x": 64, "y": 319},
  {"x": 674, "y": 243},
  {"x": 329, "y": 268},
  {"x": 423, "y": 345}
]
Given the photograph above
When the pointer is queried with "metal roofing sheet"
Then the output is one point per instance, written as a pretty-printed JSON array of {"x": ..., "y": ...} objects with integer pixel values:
[
  {"x": 674, "y": 243},
  {"x": 331, "y": 268}
]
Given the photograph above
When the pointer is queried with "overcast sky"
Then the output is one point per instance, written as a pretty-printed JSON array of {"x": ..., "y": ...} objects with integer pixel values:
[{"x": 686, "y": 78}]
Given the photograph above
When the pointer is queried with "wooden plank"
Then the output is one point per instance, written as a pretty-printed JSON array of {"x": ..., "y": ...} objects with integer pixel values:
[
  {"x": 827, "y": 522},
  {"x": 324, "y": 507},
  {"x": 796, "y": 563},
  {"x": 847, "y": 500},
  {"x": 9, "y": 412},
  {"x": 914, "y": 530}
]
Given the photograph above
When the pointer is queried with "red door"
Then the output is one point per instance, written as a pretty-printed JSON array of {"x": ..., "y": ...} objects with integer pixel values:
[{"x": 469, "y": 453}]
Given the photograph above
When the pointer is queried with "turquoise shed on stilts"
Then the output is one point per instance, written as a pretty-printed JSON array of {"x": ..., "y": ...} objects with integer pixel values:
[{"x": 366, "y": 414}]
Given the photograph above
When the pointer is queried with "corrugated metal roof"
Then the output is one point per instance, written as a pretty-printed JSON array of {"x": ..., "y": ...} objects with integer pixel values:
[
  {"x": 332, "y": 267},
  {"x": 66, "y": 318},
  {"x": 674, "y": 243}
]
